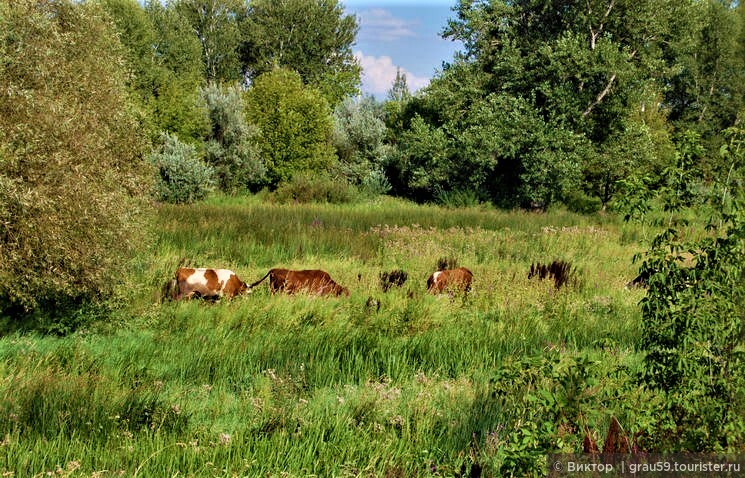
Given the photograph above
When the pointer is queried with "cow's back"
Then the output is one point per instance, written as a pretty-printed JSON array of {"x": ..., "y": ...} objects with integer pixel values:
[
  {"x": 207, "y": 283},
  {"x": 312, "y": 281},
  {"x": 453, "y": 279}
]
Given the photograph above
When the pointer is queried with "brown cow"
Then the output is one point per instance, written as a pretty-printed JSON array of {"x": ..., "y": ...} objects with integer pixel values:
[
  {"x": 316, "y": 282},
  {"x": 453, "y": 279},
  {"x": 207, "y": 283}
]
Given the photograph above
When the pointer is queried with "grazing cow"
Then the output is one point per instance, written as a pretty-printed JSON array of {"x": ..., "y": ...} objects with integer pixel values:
[
  {"x": 453, "y": 279},
  {"x": 207, "y": 283},
  {"x": 560, "y": 271},
  {"x": 316, "y": 282},
  {"x": 642, "y": 280},
  {"x": 395, "y": 278}
]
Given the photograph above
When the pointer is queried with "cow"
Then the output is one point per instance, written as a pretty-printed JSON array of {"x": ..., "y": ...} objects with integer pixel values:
[
  {"x": 316, "y": 282},
  {"x": 642, "y": 280},
  {"x": 450, "y": 279},
  {"x": 560, "y": 271},
  {"x": 395, "y": 278},
  {"x": 207, "y": 283}
]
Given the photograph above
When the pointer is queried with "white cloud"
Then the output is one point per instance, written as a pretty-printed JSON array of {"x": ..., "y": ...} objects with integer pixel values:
[
  {"x": 380, "y": 25},
  {"x": 379, "y": 72}
]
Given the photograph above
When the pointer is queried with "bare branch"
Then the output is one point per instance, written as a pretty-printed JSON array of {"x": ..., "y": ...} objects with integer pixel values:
[{"x": 600, "y": 96}]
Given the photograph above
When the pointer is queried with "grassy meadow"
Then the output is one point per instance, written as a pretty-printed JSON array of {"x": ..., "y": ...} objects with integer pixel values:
[{"x": 264, "y": 385}]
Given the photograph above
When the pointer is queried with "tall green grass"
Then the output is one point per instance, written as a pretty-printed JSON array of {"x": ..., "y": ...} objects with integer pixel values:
[{"x": 304, "y": 386}]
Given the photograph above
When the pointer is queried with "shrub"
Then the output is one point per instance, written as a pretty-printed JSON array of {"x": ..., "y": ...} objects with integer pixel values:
[
  {"x": 578, "y": 201},
  {"x": 359, "y": 133},
  {"x": 182, "y": 176},
  {"x": 306, "y": 188},
  {"x": 375, "y": 183},
  {"x": 693, "y": 320},
  {"x": 457, "y": 199}
]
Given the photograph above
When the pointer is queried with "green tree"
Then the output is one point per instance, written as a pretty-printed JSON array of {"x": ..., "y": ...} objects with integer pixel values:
[
  {"x": 162, "y": 54},
  {"x": 72, "y": 175},
  {"x": 215, "y": 23},
  {"x": 707, "y": 89},
  {"x": 295, "y": 124},
  {"x": 182, "y": 176},
  {"x": 456, "y": 138},
  {"x": 312, "y": 37},
  {"x": 232, "y": 147},
  {"x": 175, "y": 103},
  {"x": 359, "y": 138},
  {"x": 585, "y": 67}
]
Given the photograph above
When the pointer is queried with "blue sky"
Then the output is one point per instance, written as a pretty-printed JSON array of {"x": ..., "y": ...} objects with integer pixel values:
[{"x": 400, "y": 34}]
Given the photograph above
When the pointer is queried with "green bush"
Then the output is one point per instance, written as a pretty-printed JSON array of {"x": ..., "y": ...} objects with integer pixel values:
[
  {"x": 457, "y": 199},
  {"x": 306, "y": 188},
  {"x": 375, "y": 183},
  {"x": 295, "y": 124},
  {"x": 693, "y": 318},
  {"x": 182, "y": 176},
  {"x": 359, "y": 133},
  {"x": 578, "y": 201}
]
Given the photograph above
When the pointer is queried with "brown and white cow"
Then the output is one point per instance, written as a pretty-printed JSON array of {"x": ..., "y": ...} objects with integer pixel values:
[
  {"x": 450, "y": 279},
  {"x": 315, "y": 282},
  {"x": 207, "y": 283}
]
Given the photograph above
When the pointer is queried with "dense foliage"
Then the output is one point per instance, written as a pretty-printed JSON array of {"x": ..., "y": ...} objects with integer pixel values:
[
  {"x": 694, "y": 320},
  {"x": 71, "y": 167},
  {"x": 232, "y": 146},
  {"x": 182, "y": 175},
  {"x": 295, "y": 124},
  {"x": 590, "y": 93},
  {"x": 313, "y": 38}
]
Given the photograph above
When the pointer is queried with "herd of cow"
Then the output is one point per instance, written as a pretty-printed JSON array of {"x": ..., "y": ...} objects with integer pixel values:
[{"x": 212, "y": 284}]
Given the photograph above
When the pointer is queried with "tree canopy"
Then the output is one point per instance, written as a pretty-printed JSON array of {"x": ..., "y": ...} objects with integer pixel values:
[{"x": 312, "y": 37}]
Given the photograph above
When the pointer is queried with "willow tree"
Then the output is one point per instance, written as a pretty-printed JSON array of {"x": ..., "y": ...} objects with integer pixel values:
[{"x": 71, "y": 168}]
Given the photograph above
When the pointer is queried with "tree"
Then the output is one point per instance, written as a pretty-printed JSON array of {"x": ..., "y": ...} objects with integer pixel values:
[
  {"x": 575, "y": 73},
  {"x": 707, "y": 89},
  {"x": 312, "y": 37},
  {"x": 359, "y": 135},
  {"x": 215, "y": 23},
  {"x": 162, "y": 54},
  {"x": 175, "y": 103},
  {"x": 182, "y": 175},
  {"x": 232, "y": 147},
  {"x": 72, "y": 175},
  {"x": 295, "y": 124}
]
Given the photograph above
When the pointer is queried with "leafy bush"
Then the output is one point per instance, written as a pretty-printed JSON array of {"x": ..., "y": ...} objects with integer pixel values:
[
  {"x": 305, "y": 188},
  {"x": 457, "y": 199},
  {"x": 182, "y": 176},
  {"x": 72, "y": 176},
  {"x": 578, "y": 201},
  {"x": 295, "y": 124},
  {"x": 232, "y": 146},
  {"x": 693, "y": 319},
  {"x": 375, "y": 183}
]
